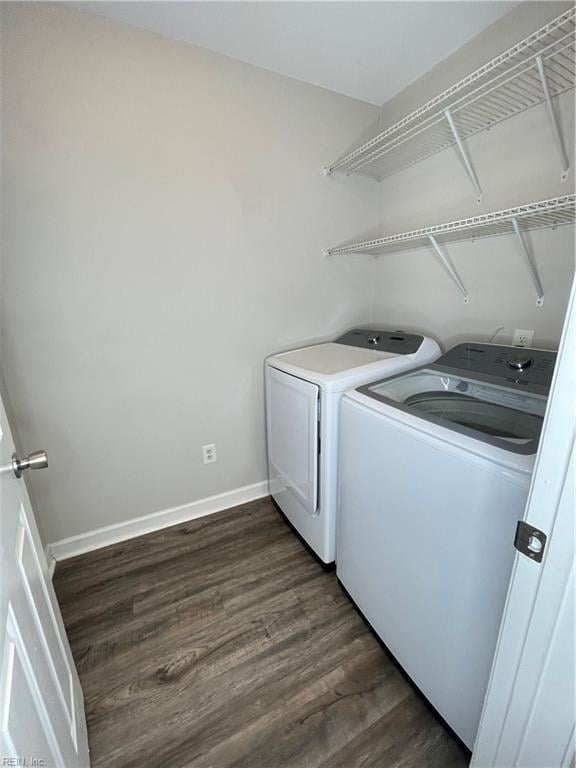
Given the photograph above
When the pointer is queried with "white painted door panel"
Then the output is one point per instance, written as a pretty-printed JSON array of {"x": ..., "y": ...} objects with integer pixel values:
[
  {"x": 41, "y": 705},
  {"x": 556, "y": 682},
  {"x": 292, "y": 421}
]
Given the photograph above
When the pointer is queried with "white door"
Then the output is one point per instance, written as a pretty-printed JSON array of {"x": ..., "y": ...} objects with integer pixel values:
[
  {"x": 529, "y": 712},
  {"x": 41, "y": 706},
  {"x": 292, "y": 425}
]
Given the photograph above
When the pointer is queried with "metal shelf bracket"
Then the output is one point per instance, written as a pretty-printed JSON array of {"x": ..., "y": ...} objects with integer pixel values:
[
  {"x": 464, "y": 155},
  {"x": 530, "y": 263},
  {"x": 445, "y": 259},
  {"x": 553, "y": 120}
]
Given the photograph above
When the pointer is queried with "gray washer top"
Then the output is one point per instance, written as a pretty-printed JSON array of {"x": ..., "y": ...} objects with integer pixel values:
[
  {"x": 516, "y": 365},
  {"x": 521, "y": 369},
  {"x": 398, "y": 342}
]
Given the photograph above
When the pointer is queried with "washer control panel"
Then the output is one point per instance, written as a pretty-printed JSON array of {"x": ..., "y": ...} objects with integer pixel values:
[
  {"x": 518, "y": 364},
  {"x": 386, "y": 341}
]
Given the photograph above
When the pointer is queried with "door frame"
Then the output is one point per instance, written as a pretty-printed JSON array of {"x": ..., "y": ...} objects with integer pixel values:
[{"x": 536, "y": 590}]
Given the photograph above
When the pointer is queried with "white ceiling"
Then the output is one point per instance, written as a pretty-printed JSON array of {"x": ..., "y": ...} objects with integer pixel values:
[{"x": 368, "y": 50}]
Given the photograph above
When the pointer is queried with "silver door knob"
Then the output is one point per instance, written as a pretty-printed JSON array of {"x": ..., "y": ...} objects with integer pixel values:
[{"x": 36, "y": 460}]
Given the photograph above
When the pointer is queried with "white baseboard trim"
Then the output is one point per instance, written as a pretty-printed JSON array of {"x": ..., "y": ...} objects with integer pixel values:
[
  {"x": 50, "y": 560},
  {"x": 112, "y": 534}
]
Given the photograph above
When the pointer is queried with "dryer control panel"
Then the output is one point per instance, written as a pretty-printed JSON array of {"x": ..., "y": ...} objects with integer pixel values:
[
  {"x": 384, "y": 341},
  {"x": 519, "y": 364}
]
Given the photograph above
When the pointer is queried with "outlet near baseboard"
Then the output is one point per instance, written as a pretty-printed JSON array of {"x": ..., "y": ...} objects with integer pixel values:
[{"x": 209, "y": 453}]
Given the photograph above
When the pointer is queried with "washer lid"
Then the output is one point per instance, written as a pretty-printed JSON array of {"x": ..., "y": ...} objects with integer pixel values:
[
  {"x": 330, "y": 359},
  {"x": 490, "y": 412}
]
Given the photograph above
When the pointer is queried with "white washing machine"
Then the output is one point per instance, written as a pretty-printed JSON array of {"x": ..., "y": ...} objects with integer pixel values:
[
  {"x": 434, "y": 476},
  {"x": 303, "y": 390}
]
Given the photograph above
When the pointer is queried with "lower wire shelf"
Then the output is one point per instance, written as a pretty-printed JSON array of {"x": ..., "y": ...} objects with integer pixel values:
[{"x": 550, "y": 213}]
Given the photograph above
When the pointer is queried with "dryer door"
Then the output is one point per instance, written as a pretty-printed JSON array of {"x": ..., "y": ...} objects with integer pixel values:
[{"x": 292, "y": 415}]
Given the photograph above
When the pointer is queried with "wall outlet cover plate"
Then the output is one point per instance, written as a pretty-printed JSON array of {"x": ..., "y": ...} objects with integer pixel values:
[
  {"x": 523, "y": 337},
  {"x": 209, "y": 453}
]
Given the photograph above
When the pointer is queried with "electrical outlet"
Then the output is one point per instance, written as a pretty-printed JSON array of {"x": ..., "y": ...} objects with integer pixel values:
[
  {"x": 522, "y": 338},
  {"x": 209, "y": 453}
]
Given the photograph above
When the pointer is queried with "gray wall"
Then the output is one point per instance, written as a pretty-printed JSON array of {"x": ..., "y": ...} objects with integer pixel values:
[
  {"x": 516, "y": 163},
  {"x": 163, "y": 216},
  {"x": 163, "y": 219}
]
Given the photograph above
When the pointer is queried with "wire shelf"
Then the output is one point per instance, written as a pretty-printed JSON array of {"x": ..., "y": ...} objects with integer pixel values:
[
  {"x": 546, "y": 213},
  {"x": 531, "y": 72}
]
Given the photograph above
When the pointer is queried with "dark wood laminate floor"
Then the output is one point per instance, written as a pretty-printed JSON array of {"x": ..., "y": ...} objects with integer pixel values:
[{"x": 222, "y": 643}]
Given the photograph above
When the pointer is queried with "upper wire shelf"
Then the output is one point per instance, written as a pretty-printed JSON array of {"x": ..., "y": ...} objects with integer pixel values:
[{"x": 531, "y": 72}]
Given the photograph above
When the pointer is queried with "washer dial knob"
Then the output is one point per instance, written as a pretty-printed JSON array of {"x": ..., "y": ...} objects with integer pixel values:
[{"x": 519, "y": 362}]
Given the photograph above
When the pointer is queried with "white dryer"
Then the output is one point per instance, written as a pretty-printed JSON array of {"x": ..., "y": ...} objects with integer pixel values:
[
  {"x": 303, "y": 390},
  {"x": 435, "y": 470}
]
